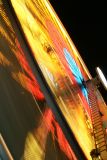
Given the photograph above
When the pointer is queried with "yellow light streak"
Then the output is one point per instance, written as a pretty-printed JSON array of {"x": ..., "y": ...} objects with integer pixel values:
[
  {"x": 72, "y": 46},
  {"x": 3, "y": 60},
  {"x": 37, "y": 37}
]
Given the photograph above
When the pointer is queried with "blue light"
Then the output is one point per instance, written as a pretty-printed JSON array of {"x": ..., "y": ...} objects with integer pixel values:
[{"x": 76, "y": 72}]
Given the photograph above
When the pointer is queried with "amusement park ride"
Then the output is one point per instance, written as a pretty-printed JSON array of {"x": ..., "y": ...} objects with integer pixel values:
[{"x": 51, "y": 107}]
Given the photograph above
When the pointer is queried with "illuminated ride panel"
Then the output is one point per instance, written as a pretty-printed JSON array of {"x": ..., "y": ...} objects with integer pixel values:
[
  {"x": 60, "y": 64},
  {"x": 27, "y": 123}
]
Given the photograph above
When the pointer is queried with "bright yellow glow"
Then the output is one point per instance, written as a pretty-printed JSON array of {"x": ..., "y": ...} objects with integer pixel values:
[
  {"x": 32, "y": 149},
  {"x": 36, "y": 32},
  {"x": 64, "y": 32},
  {"x": 20, "y": 71}
]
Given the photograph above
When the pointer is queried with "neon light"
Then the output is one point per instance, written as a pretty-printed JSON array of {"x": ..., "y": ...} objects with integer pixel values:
[{"x": 76, "y": 72}]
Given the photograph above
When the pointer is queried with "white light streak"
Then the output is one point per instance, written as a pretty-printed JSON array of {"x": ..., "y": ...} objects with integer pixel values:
[{"x": 101, "y": 77}]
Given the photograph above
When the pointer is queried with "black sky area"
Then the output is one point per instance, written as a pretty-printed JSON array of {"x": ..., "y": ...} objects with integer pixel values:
[{"x": 86, "y": 23}]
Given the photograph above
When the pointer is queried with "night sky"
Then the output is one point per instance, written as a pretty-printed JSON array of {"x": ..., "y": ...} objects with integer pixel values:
[{"x": 86, "y": 25}]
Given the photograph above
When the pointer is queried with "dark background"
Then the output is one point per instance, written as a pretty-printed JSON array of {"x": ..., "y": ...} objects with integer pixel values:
[{"x": 86, "y": 25}]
